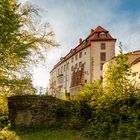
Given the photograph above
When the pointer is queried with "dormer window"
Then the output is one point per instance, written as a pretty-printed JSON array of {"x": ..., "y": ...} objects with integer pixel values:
[
  {"x": 102, "y": 35},
  {"x": 102, "y": 46}
]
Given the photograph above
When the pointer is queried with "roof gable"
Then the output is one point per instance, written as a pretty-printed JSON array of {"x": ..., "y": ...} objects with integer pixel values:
[
  {"x": 100, "y": 34},
  {"x": 100, "y": 29},
  {"x": 136, "y": 61}
]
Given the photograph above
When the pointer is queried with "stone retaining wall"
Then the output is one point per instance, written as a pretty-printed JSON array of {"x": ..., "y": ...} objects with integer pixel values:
[{"x": 34, "y": 110}]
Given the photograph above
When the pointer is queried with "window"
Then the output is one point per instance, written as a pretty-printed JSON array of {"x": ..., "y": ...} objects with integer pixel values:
[
  {"x": 60, "y": 80},
  {"x": 101, "y": 66},
  {"x": 134, "y": 74},
  {"x": 102, "y": 35},
  {"x": 103, "y": 56},
  {"x": 71, "y": 68},
  {"x": 80, "y": 64},
  {"x": 76, "y": 65},
  {"x": 102, "y": 46},
  {"x": 72, "y": 59},
  {"x": 64, "y": 67},
  {"x": 85, "y": 53},
  {"x": 101, "y": 78},
  {"x": 76, "y": 57},
  {"x": 67, "y": 78},
  {"x": 80, "y": 54},
  {"x": 61, "y": 69},
  {"x": 67, "y": 66},
  {"x": 58, "y": 71}
]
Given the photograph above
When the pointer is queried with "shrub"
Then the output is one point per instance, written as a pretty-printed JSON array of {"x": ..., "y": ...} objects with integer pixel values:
[
  {"x": 92, "y": 93},
  {"x": 3, "y": 121},
  {"x": 115, "y": 108},
  {"x": 6, "y": 134}
]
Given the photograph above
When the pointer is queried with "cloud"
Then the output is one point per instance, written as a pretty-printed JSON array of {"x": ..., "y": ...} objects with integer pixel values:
[{"x": 127, "y": 30}]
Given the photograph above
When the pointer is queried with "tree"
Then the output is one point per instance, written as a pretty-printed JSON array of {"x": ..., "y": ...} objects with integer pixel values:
[
  {"x": 23, "y": 40},
  {"x": 116, "y": 76},
  {"x": 92, "y": 93}
]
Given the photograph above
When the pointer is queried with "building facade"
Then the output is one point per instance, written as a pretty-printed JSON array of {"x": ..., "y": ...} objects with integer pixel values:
[
  {"x": 135, "y": 76},
  {"x": 83, "y": 64},
  {"x": 134, "y": 62}
]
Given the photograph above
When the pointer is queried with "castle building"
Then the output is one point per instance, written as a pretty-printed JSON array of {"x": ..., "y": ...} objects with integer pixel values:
[
  {"x": 133, "y": 61},
  {"x": 83, "y": 64}
]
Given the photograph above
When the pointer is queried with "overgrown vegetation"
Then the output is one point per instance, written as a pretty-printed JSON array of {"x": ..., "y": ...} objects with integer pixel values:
[
  {"x": 49, "y": 134},
  {"x": 23, "y": 40},
  {"x": 109, "y": 111},
  {"x": 115, "y": 106},
  {"x": 104, "y": 112},
  {"x": 6, "y": 134}
]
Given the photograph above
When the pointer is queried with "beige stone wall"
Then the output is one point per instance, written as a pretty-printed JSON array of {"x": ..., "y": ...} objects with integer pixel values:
[
  {"x": 91, "y": 59},
  {"x": 135, "y": 73},
  {"x": 35, "y": 110},
  {"x": 68, "y": 73},
  {"x": 95, "y": 53},
  {"x": 135, "y": 69},
  {"x": 85, "y": 59}
]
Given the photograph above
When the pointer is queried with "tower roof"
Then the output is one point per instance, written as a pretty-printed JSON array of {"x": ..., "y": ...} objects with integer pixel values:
[
  {"x": 100, "y": 34},
  {"x": 100, "y": 29}
]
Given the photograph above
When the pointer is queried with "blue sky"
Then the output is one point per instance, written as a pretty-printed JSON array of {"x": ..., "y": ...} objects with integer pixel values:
[{"x": 73, "y": 19}]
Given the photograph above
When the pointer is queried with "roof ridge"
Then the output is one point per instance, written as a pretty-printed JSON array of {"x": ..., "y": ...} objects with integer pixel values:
[{"x": 99, "y": 29}]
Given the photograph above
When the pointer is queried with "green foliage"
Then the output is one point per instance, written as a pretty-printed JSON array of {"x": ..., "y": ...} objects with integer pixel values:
[
  {"x": 5, "y": 134},
  {"x": 49, "y": 134},
  {"x": 116, "y": 76},
  {"x": 115, "y": 116},
  {"x": 92, "y": 93},
  {"x": 22, "y": 86},
  {"x": 77, "y": 117},
  {"x": 3, "y": 105},
  {"x": 3, "y": 121},
  {"x": 72, "y": 114},
  {"x": 115, "y": 106},
  {"x": 23, "y": 41}
]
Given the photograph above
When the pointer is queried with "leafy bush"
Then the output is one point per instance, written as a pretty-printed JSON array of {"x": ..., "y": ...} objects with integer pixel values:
[
  {"x": 3, "y": 121},
  {"x": 3, "y": 105},
  {"x": 118, "y": 119},
  {"x": 6, "y": 134},
  {"x": 72, "y": 114},
  {"x": 92, "y": 93},
  {"x": 116, "y": 106}
]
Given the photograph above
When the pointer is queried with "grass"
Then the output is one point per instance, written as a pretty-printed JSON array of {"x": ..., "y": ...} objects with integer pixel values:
[{"x": 46, "y": 134}]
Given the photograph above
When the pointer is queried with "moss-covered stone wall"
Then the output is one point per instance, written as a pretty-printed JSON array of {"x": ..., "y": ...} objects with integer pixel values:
[{"x": 34, "y": 110}]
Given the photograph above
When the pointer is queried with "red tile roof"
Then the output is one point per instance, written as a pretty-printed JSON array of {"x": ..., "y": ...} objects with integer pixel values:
[
  {"x": 136, "y": 61},
  {"x": 93, "y": 36},
  {"x": 133, "y": 57},
  {"x": 100, "y": 29}
]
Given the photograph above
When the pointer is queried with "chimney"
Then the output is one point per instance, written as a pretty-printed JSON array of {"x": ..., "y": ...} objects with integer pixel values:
[
  {"x": 91, "y": 31},
  {"x": 80, "y": 40}
]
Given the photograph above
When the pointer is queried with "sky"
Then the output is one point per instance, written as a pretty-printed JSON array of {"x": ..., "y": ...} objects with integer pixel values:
[{"x": 73, "y": 19}]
